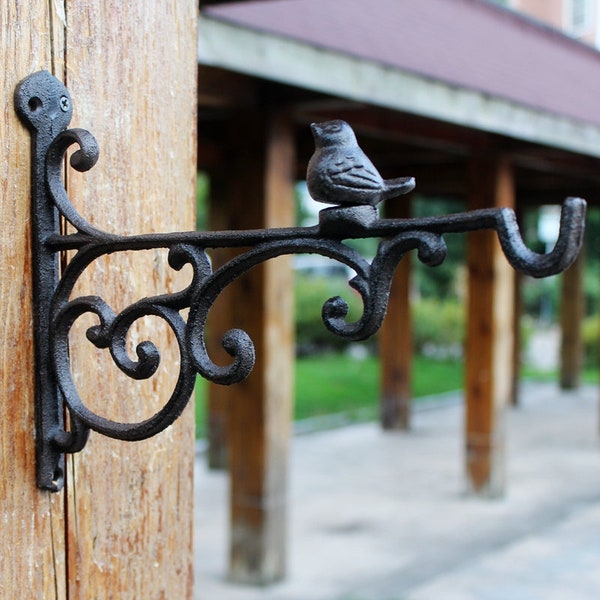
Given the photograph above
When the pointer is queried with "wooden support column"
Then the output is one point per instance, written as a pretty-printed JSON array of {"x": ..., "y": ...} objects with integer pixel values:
[
  {"x": 571, "y": 315},
  {"x": 32, "y": 523},
  {"x": 260, "y": 194},
  {"x": 122, "y": 527},
  {"x": 489, "y": 345},
  {"x": 131, "y": 70},
  {"x": 396, "y": 342}
]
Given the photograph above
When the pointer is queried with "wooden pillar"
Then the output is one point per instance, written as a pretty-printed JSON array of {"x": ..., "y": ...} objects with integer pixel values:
[
  {"x": 396, "y": 342},
  {"x": 260, "y": 194},
  {"x": 122, "y": 527},
  {"x": 32, "y": 523},
  {"x": 489, "y": 345},
  {"x": 131, "y": 70},
  {"x": 571, "y": 315}
]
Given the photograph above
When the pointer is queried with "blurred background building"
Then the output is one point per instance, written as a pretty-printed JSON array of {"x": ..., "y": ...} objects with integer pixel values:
[{"x": 578, "y": 18}]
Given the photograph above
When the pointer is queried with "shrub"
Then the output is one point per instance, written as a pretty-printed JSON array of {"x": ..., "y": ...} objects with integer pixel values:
[{"x": 438, "y": 327}]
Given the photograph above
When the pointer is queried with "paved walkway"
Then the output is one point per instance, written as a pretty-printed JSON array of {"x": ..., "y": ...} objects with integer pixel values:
[{"x": 377, "y": 516}]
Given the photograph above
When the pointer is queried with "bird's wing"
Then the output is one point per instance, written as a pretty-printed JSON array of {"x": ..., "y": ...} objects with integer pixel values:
[{"x": 355, "y": 172}]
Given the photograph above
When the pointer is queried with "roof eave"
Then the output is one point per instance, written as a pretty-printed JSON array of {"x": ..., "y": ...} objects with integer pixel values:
[{"x": 261, "y": 54}]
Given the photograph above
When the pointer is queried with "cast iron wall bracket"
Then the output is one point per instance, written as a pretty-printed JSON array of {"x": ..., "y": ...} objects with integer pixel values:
[{"x": 45, "y": 107}]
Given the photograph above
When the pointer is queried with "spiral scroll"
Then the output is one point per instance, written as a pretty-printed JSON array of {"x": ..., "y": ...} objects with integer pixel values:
[
  {"x": 111, "y": 333},
  {"x": 82, "y": 160}
]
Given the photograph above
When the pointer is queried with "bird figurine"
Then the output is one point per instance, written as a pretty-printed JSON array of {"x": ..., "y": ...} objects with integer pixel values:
[{"x": 340, "y": 173}]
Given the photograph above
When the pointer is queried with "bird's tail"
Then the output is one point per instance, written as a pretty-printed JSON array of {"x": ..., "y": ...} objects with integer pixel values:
[{"x": 398, "y": 186}]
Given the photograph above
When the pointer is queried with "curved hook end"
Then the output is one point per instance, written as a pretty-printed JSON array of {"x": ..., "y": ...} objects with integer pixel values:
[
  {"x": 570, "y": 235},
  {"x": 565, "y": 251}
]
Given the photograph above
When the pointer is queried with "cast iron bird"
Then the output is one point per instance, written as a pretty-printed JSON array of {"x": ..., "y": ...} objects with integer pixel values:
[{"x": 340, "y": 173}]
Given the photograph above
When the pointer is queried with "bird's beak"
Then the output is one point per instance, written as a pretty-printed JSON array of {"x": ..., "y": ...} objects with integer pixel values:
[{"x": 316, "y": 130}]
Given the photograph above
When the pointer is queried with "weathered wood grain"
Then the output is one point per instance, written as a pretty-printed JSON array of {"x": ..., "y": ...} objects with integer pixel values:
[
  {"x": 32, "y": 560},
  {"x": 131, "y": 70}
]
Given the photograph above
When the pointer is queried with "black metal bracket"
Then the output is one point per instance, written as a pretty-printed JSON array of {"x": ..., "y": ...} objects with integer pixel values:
[{"x": 45, "y": 107}]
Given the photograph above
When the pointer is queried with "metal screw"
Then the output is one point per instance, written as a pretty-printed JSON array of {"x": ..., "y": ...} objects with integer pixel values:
[{"x": 65, "y": 103}]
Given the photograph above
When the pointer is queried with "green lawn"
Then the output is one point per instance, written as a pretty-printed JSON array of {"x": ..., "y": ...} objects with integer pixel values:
[{"x": 338, "y": 383}]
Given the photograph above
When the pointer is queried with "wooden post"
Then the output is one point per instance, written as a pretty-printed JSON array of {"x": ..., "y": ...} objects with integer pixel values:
[
  {"x": 489, "y": 333},
  {"x": 123, "y": 527},
  {"x": 261, "y": 195},
  {"x": 131, "y": 70},
  {"x": 32, "y": 524},
  {"x": 571, "y": 314},
  {"x": 396, "y": 343}
]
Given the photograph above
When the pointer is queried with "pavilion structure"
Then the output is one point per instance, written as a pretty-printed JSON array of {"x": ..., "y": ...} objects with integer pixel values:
[{"x": 475, "y": 101}]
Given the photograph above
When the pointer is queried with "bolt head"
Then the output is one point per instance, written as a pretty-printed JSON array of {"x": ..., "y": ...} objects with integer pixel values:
[{"x": 65, "y": 103}]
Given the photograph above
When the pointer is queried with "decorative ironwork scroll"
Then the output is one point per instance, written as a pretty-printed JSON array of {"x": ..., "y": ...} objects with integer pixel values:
[{"x": 45, "y": 107}]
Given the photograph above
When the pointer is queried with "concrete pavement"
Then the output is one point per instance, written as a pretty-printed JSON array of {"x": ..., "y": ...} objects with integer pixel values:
[{"x": 380, "y": 516}]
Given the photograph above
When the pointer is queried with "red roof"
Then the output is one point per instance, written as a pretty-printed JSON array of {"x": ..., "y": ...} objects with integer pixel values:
[{"x": 466, "y": 43}]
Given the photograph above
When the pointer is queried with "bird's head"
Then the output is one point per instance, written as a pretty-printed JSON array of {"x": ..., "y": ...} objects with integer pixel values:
[{"x": 333, "y": 133}]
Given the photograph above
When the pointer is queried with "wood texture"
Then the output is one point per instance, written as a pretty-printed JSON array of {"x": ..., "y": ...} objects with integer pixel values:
[
  {"x": 571, "y": 316},
  {"x": 396, "y": 342},
  {"x": 489, "y": 346},
  {"x": 32, "y": 563},
  {"x": 261, "y": 195},
  {"x": 130, "y": 510},
  {"x": 131, "y": 70}
]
